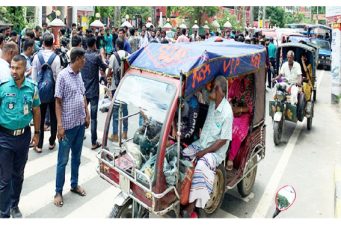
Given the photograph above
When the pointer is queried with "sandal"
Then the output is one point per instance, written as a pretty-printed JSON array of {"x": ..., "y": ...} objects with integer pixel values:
[
  {"x": 51, "y": 147},
  {"x": 78, "y": 190},
  {"x": 96, "y": 146},
  {"x": 58, "y": 200},
  {"x": 37, "y": 150},
  {"x": 229, "y": 165}
]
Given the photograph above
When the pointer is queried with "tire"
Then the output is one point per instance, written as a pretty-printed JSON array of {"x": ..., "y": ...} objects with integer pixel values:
[
  {"x": 217, "y": 195},
  {"x": 314, "y": 95},
  {"x": 245, "y": 186},
  {"x": 125, "y": 211},
  {"x": 277, "y": 132}
]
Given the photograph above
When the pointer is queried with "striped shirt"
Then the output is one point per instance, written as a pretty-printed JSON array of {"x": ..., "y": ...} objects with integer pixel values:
[{"x": 70, "y": 89}]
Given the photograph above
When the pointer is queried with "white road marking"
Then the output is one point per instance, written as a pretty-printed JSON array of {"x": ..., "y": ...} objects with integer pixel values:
[
  {"x": 44, "y": 195},
  {"x": 267, "y": 199},
  {"x": 105, "y": 201}
]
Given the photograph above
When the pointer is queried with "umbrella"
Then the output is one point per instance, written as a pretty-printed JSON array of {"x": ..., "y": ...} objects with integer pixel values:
[
  {"x": 183, "y": 26},
  {"x": 167, "y": 25},
  {"x": 215, "y": 24},
  {"x": 195, "y": 26},
  {"x": 127, "y": 24},
  {"x": 227, "y": 25},
  {"x": 57, "y": 23},
  {"x": 97, "y": 23}
]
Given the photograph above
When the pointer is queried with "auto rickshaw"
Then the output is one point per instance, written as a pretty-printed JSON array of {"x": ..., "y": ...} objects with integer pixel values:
[
  {"x": 280, "y": 109},
  {"x": 148, "y": 170}
]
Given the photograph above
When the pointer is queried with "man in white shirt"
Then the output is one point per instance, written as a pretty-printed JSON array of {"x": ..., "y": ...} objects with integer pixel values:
[
  {"x": 182, "y": 37},
  {"x": 9, "y": 50},
  {"x": 28, "y": 52},
  {"x": 290, "y": 77}
]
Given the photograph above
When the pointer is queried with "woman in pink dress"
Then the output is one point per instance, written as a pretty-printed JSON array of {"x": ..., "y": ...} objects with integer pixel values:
[{"x": 240, "y": 97}]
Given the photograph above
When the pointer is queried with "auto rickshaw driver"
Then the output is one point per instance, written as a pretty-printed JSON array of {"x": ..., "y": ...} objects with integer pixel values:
[
  {"x": 210, "y": 149},
  {"x": 292, "y": 73}
]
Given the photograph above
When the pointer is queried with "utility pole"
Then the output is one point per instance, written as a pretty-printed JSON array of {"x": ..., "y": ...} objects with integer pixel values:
[
  {"x": 243, "y": 18},
  {"x": 117, "y": 16},
  {"x": 251, "y": 16},
  {"x": 259, "y": 12},
  {"x": 264, "y": 14}
]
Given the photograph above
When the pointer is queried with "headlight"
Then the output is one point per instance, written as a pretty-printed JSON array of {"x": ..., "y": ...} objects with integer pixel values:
[{"x": 322, "y": 57}]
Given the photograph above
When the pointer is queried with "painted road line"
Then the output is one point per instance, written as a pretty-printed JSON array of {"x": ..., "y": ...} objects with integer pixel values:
[
  {"x": 267, "y": 199},
  {"x": 39, "y": 198},
  {"x": 98, "y": 207},
  {"x": 337, "y": 179}
]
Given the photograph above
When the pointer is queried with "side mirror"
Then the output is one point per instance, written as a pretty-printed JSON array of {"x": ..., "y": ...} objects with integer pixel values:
[{"x": 285, "y": 197}]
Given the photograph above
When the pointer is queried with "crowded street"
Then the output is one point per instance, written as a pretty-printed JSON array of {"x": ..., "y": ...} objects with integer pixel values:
[{"x": 170, "y": 112}]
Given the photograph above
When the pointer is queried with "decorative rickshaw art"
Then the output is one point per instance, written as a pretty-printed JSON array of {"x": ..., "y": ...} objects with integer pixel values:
[{"x": 151, "y": 87}]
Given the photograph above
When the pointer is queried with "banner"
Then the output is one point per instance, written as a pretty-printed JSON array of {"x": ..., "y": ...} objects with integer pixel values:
[{"x": 336, "y": 65}]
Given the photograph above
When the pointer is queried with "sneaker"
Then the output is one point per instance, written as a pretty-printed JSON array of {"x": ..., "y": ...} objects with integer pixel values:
[{"x": 15, "y": 212}]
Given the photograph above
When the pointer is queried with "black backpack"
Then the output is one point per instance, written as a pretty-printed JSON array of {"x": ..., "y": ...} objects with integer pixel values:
[
  {"x": 117, "y": 73},
  {"x": 46, "y": 82}
]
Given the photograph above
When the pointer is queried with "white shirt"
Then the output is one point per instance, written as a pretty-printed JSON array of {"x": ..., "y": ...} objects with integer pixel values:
[
  {"x": 113, "y": 64},
  {"x": 36, "y": 67},
  {"x": 292, "y": 75},
  {"x": 5, "y": 72}
]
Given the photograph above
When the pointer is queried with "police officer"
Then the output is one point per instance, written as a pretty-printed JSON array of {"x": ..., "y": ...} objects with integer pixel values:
[{"x": 19, "y": 102}]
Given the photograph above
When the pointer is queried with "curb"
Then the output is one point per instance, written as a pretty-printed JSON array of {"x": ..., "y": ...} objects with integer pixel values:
[{"x": 337, "y": 179}]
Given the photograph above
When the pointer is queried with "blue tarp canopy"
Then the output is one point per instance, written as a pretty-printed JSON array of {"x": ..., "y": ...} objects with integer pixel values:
[{"x": 201, "y": 62}]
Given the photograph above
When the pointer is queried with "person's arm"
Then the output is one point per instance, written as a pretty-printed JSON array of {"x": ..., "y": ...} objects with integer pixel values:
[
  {"x": 36, "y": 117},
  {"x": 34, "y": 68},
  {"x": 59, "y": 94},
  {"x": 87, "y": 115},
  {"x": 213, "y": 148}
]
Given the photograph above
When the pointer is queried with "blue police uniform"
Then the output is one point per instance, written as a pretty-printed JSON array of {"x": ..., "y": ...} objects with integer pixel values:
[{"x": 16, "y": 112}]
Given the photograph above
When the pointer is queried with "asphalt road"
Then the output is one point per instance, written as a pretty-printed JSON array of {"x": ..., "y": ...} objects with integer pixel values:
[{"x": 304, "y": 159}]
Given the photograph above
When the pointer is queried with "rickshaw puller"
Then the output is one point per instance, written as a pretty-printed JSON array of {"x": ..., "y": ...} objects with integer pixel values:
[
  {"x": 210, "y": 149},
  {"x": 292, "y": 71}
]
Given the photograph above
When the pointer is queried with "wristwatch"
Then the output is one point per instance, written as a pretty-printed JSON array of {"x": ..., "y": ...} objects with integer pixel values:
[{"x": 37, "y": 132}]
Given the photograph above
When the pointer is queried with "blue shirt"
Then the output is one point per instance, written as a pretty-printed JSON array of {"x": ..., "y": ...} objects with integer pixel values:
[
  {"x": 13, "y": 100},
  {"x": 90, "y": 73},
  {"x": 272, "y": 51}
]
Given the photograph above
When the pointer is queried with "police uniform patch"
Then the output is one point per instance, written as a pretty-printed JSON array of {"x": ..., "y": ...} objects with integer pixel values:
[{"x": 10, "y": 105}]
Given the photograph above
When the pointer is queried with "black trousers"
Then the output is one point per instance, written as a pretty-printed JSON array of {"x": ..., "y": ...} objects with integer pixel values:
[
  {"x": 13, "y": 158},
  {"x": 53, "y": 122},
  {"x": 271, "y": 73}
]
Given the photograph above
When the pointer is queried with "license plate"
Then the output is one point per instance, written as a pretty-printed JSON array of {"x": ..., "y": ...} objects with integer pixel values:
[{"x": 124, "y": 184}]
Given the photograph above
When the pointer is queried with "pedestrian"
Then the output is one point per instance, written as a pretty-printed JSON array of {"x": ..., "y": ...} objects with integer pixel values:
[
  {"x": 182, "y": 37},
  {"x": 90, "y": 75},
  {"x": 9, "y": 50},
  {"x": 133, "y": 40},
  {"x": 28, "y": 52},
  {"x": 115, "y": 72},
  {"x": 126, "y": 46},
  {"x": 73, "y": 117},
  {"x": 19, "y": 103},
  {"x": 272, "y": 57},
  {"x": 108, "y": 43},
  {"x": 39, "y": 60},
  {"x": 76, "y": 41},
  {"x": 153, "y": 38}
]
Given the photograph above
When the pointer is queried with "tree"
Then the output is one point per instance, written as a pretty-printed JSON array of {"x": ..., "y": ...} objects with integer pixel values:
[
  {"x": 14, "y": 15},
  {"x": 236, "y": 25},
  {"x": 276, "y": 15},
  {"x": 195, "y": 13}
]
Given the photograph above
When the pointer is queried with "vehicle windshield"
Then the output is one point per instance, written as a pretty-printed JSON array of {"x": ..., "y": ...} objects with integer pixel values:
[
  {"x": 321, "y": 43},
  {"x": 139, "y": 112}
]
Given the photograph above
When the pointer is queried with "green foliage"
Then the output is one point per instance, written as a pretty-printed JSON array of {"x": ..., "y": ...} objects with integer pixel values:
[
  {"x": 276, "y": 15},
  {"x": 321, "y": 9},
  {"x": 195, "y": 13},
  {"x": 143, "y": 11},
  {"x": 13, "y": 15}
]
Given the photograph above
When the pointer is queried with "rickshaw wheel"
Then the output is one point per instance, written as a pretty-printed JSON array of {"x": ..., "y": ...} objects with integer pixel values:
[
  {"x": 125, "y": 211},
  {"x": 314, "y": 95},
  {"x": 310, "y": 119},
  {"x": 217, "y": 194},
  {"x": 277, "y": 132},
  {"x": 245, "y": 185}
]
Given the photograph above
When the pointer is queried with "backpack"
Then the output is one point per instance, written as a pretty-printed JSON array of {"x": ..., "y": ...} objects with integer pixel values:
[
  {"x": 46, "y": 82},
  {"x": 117, "y": 73}
]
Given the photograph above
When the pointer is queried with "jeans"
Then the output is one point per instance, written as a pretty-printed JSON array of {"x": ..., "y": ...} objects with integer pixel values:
[
  {"x": 73, "y": 140},
  {"x": 53, "y": 121},
  {"x": 13, "y": 158},
  {"x": 115, "y": 118},
  {"x": 93, "y": 115}
]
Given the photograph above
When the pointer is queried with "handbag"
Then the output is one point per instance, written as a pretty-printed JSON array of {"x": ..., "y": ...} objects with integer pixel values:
[{"x": 187, "y": 183}]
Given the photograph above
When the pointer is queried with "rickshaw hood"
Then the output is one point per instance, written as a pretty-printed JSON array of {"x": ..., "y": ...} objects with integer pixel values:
[{"x": 200, "y": 62}]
